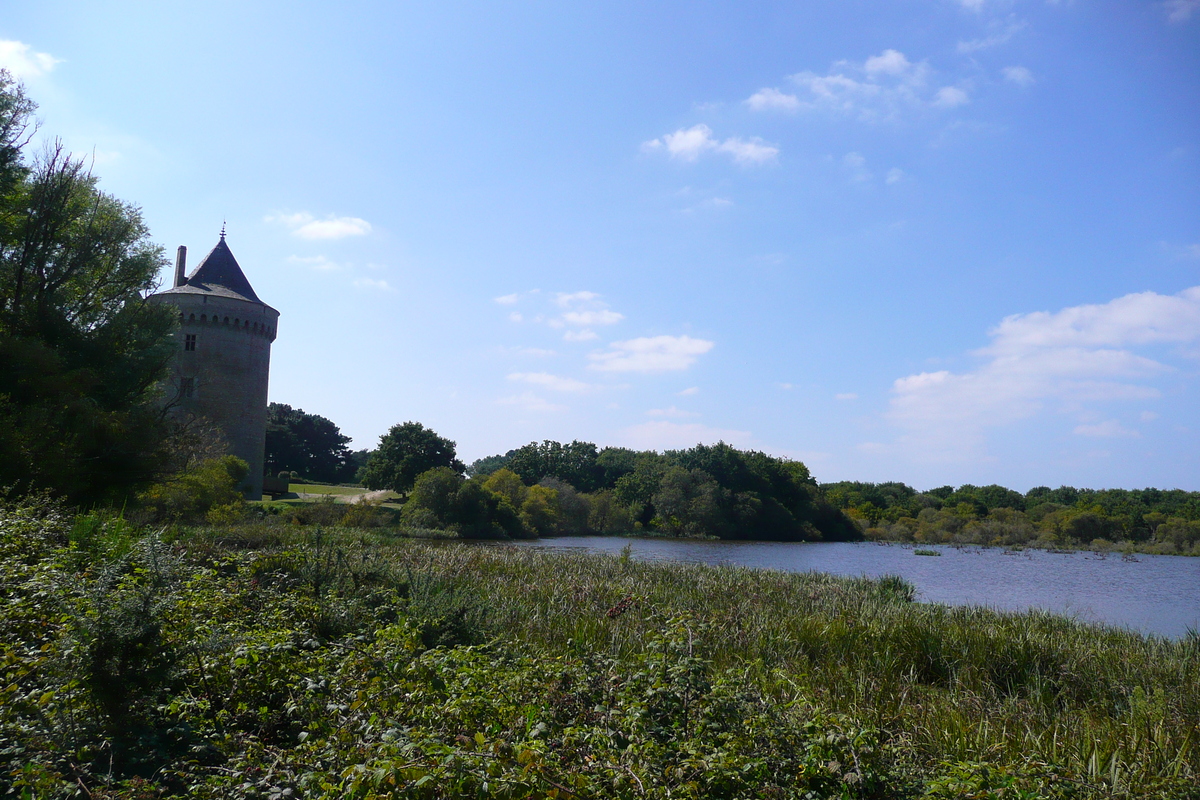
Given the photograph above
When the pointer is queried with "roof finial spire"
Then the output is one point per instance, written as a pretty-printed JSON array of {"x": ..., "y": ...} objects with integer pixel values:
[{"x": 222, "y": 229}]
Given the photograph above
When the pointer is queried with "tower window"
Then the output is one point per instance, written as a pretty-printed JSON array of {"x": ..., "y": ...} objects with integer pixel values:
[
  {"x": 189, "y": 341},
  {"x": 187, "y": 387}
]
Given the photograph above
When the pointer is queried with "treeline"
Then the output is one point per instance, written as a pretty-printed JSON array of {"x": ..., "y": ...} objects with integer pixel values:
[
  {"x": 1155, "y": 520},
  {"x": 550, "y": 488}
]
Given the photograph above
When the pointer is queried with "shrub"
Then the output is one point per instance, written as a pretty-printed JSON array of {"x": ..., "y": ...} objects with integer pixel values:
[{"x": 190, "y": 495}]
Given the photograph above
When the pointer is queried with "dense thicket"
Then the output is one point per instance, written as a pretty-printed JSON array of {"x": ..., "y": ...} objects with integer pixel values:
[
  {"x": 277, "y": 661},
  {"x": 707, "y": 490},
  {"x": 82, "y": 351},
  {"x": 1157, "y": 519}
]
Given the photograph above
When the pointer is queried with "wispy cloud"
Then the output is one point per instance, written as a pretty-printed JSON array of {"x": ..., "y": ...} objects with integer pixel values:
[
  {"x": 1179, "y": 11},
  {"x": 548, "y": 381},
  {"x": 692, "y": 143},
  {"x": 305, "y": 226},
  {"x": 688, "y": 392},
  {"x": 651, "y": 354},
  {"x": 772, "y": 99},
  {"x": 1021, "y": 76},
  {"x": 996, "y": 39},
  {"x": 1067, "y": 361},
  {"x": 582, "y": 310},
  {"x": 507, "y": 300},
  {"x": 856, "y": 166},
  {"x": 23, "y": 61},
  {"x": 880, "y": 88},
  {"x": 371, "y": 283},
  {"x": 846, "y": 396},
  {"x": 1107, "y": 429}
]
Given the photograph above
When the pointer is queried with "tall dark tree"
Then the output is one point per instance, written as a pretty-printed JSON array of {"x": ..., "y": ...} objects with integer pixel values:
[
  {"x": 306, "y": 443},
  {"x": 82, "y": 350},
  {"x": 404, "y": 453}
]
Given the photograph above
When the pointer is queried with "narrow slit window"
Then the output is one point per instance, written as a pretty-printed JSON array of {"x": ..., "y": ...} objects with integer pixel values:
[{"x": 189, "y": 341}]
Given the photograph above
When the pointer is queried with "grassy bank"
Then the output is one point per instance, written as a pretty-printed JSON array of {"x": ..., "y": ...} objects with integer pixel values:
[{"x": 287, "y": 661}]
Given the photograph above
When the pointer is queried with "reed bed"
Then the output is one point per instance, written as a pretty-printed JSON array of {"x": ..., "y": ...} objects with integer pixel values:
[{"x": 954, "y": 683}]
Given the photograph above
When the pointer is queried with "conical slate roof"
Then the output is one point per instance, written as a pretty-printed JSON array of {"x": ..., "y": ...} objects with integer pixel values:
[{"x": 219, "y": 270}]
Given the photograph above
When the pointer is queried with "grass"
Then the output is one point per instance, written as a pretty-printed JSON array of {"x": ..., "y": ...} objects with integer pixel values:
[
  {"x": 321, "y": 488},
  {"x": 926, "y": 552},
  {"x": 354, "y": 663},
  {"x": 952, "y": 683}
]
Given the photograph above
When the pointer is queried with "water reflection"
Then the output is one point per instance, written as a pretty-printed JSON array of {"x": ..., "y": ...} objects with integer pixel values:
[{"x": 1152, "y": 594}]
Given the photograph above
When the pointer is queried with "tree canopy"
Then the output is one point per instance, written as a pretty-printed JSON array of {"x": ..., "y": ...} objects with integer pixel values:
[
  {"x": 404, "y": 453},
  {"x": 307, "y": 443},
  {"x": 83, "y": 351}
]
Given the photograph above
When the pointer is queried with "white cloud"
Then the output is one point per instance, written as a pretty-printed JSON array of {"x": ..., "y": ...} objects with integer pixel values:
[
  {"x": 846, "y": 396},
  {"x": 665, "y": 435},
  {"x": 315, "y": 262},
  {"x": 601, "y": 316},
  {"x": 996, "y": 39},
  {"x": 856, "y": 165},
  {"x": 690, "y": 144},
  {"x": 566, "y": 300},
  {"x": 306, "y": 226},
  {"x": 371, "y": 283},
  {"x": 1064, "y": 361},
  {"x": 688, "y": 392},
  {"x": 506, "y": 300},
  {"x": 23, "y": 62},
  {"x": 548, "y": 381},
  {"x": 773, "y": 100},
  {"x": 889, "y": 62},
  {"x": 895, "y": 175},
  {"x": 530, "y": 402},
  {"x": 516, "y": 316},
  {"x": 881, "y": 88},
  {"x": 972, "y": 5},
  {"x": 1181, "y": 10},
  {"x": 651, "y": 354},
  {"x": 672, "y": 412},
  {"x": 1148, "y": 416},
  {"x": 585, "y": 309},
  {"x": 1107, "y": 429},
  {"x": 1021, "y": 76},
  {"x": 950, "y": 96}
]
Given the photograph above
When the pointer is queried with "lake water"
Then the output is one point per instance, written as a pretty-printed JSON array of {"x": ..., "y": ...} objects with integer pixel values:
[{"x": 1153, "y": 595}]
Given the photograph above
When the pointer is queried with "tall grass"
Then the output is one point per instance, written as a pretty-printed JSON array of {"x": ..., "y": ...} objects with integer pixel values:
[{"x": 957, "y": 683}]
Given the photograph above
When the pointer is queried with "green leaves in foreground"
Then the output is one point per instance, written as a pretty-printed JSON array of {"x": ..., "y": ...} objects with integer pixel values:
[{"x": 318, "y": 665}]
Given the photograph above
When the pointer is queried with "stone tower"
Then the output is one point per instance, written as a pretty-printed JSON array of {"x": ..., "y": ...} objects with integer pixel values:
[{"x": 221, "y": 369}]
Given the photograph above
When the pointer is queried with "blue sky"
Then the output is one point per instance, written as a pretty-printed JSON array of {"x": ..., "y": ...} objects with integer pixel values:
[{"x": 936, "y": 241}]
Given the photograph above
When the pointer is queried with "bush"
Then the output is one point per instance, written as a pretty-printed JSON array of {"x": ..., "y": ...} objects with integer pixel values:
[{"x": 189, "y": 496}]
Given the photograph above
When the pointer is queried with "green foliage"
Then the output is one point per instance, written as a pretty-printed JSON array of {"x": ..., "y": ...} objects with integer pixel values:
[
  {"x": 327, "y": 664},
  {"x": 1044, "y": 517},
  {"x": 308, "y": 444},
  {"x": 193, "y": 493},
  {"x": 82, "y": 351},
  {"x": 404, "y": 453},
  {"x": 442, "y": 499}
]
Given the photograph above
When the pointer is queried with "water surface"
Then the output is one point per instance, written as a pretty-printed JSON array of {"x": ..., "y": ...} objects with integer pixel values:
[{"x": 1152, "y": 594}]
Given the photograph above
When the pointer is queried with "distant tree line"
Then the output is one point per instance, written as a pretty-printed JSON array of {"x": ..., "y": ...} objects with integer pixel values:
[
  {"x": 551, "y": 488},
  {"x": 1159, "y": 520}
]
